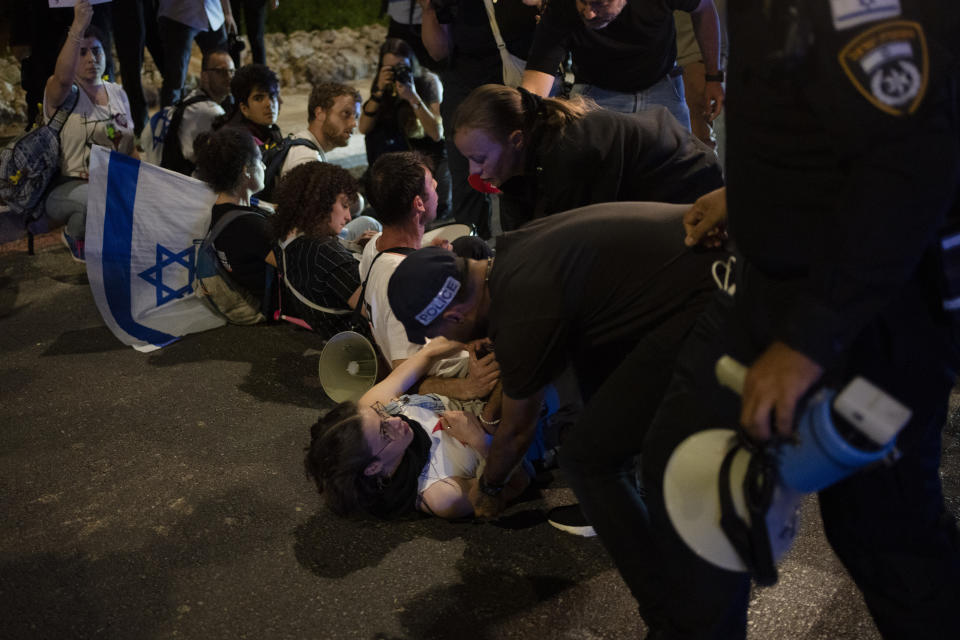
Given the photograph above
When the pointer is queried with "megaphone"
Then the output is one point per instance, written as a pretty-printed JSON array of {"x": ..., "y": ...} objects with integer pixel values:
[
  {"x": 737, "y": 506},
  {"x": 348, "y": 366},
  {"x": 705, "y": 468}
]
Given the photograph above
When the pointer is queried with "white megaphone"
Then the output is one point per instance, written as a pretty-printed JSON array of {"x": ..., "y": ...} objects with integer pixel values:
[
  {"x": 725, "y": 502},
  {"x": 348, "y": 366}
]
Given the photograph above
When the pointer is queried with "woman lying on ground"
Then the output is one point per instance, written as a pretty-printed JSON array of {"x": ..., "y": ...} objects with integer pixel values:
[
  {"x": 390, "y": 456},
  {"x": 101, "y": 116},
  {"x": 550, "y": 155},
  {"x": 314, "y": 232},
  {"x": 229, "y": 161}
]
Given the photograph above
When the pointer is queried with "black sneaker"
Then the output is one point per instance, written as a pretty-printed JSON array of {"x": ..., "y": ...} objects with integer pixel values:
[{"x": 571, "y": 519}]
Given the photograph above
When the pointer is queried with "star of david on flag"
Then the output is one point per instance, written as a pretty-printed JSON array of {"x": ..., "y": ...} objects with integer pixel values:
[
  {"x": 142, "y": 225},
  {"x": 166, "y": 258}
]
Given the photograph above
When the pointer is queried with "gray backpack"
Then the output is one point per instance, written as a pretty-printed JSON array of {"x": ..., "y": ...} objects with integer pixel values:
[{"x": 29, "y": 165}]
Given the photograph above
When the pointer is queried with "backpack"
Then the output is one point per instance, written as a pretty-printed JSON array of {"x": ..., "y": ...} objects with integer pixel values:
[
  {"x": 213, "y": 284},
  {"x": 161, "y": 137},
  {"x": 274, "y": 155},
  {"x": 29, "y": 165}
]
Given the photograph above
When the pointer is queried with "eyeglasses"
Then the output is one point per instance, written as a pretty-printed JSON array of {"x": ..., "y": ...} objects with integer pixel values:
[
  {"x": 384, "y": 434},
  {"x": 221, "y": 70}
]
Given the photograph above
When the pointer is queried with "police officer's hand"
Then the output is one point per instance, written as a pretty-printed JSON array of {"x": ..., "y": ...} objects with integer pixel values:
[
  {"x": 482, "y": 374},
  {"x": 712, "y": 99},
  {"x": 774, "y": 383},
  {"x": 706, "y": 221},
  {"x": 484, "y": 507}
]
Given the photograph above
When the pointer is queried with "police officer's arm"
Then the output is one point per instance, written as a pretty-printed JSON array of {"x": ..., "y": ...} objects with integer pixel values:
[
  {"x": 899, "y": 170},
  {"x": 547, "y": 52},
  {"x": 510, "y": 442},
  {"x": 482, "y": 376},
  {"x": 706, "y": 29}
]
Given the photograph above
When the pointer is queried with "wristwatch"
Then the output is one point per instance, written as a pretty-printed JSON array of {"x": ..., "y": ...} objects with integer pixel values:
[
  {"x": 492, "y": 490},
  {"x": 714, "y": 77}
]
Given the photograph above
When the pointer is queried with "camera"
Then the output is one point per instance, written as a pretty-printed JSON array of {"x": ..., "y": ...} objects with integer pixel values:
[
  {"x": 235, "y": 45},
  {"x": 402, "y": 74}
]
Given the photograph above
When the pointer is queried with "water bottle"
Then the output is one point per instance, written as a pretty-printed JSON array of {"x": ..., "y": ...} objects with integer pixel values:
[{"x": 837, "y": 433}]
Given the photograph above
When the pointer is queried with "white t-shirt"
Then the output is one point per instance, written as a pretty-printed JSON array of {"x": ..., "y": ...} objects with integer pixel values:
[
  {"x": 205, "y": 15},
  {"x": 448, "y": 456},
  {"x": 91, "y": 124},
  {"x": 197, "y": 118},
  {"x": 301, "y": 154},
  {"x": 388, "y": 332}
]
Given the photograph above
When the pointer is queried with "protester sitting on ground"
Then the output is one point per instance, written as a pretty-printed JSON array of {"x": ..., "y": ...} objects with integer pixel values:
[
  {"x": 229, "y": 161},
  {"x": 215, "y": 79},
  {"x": 403, "y": 113},
  {"x": 403, "y": 192},
  {"x": 390, "y": 456},
  {"x": 312, "y": 228},
  {"x": 550, "y": 155},
  {"x": 331, "y": 118},
  {"x": 101, "y": 116},
  {"x": 256, "y": 105}
]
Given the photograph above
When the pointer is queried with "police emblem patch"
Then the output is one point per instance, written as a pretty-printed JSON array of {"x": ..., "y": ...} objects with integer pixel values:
[{"x": 888, "y": 64}]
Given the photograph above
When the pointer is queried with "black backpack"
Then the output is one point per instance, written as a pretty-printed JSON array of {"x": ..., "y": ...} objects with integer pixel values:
[
  {"x": 163, "y": 146},
  {"x": 274, "y": 155}
]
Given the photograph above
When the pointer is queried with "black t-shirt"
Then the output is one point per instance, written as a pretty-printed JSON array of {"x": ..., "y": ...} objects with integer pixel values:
[
  {"x": 470, "y": 28},
  {"x": 609, "y": 157},
  {"x": 395, "y": 120},
  {"x": 841, "y": 158},
  {"x": 631, "y": 53},
  {"x": 243, "y": 245},
  {"x": 324, "y": 272},
  {"x": 585, "y": 279}
]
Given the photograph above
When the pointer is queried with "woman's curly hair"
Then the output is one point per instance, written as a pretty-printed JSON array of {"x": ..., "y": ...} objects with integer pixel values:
[{"x": 305, "y": 198}]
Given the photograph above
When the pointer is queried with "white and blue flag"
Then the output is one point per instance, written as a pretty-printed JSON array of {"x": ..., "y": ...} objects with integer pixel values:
[{"x": 142, "y": 222}]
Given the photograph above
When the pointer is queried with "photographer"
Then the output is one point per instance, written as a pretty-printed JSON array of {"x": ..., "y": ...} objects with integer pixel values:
[{"x": 403, "y": 113}]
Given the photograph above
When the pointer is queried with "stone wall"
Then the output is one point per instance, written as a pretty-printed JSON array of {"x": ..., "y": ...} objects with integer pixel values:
[{"x": 300, "y": 59}]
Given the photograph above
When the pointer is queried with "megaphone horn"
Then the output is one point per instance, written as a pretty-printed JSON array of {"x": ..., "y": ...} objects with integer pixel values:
[{"x": 348, "y": 366}]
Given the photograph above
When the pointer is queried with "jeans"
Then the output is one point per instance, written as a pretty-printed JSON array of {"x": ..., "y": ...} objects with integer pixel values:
[
  {"x": 67, "y": 203},
  {"x": 668, "y": 92},
  {"x": 888, "y": 525},
  {"x": 177, "y": 39}
]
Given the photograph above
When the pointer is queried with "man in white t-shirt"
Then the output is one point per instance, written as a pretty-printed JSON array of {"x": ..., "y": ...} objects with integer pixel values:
[
  {"x": 404, "y": 193},
  {"x": 332, "y": 112},
  {"x": 216, "y": 72}
]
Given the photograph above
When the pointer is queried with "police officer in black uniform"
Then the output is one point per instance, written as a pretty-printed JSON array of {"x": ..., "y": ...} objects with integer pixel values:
[{"x": 843, "y": 168}]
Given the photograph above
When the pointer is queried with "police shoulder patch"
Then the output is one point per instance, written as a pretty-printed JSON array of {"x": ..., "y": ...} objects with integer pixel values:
[
  {"x": 889, "y": 65},
  {"x": 850, "y": 13}
]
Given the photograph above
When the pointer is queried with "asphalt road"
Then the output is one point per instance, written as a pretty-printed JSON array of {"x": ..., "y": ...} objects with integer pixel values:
[{"x": 163, "y": 495}]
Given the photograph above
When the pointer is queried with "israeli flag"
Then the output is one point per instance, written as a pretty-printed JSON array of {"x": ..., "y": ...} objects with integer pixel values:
[{"x": 142, "y": 222}]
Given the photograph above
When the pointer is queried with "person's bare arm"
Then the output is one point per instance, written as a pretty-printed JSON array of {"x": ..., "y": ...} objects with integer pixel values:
[
  {"x": 228, "y": 18},
  {"x": 706, "y": 29},
  {"x": 409, "y": 371},
  {"x": 354, "y": 299},
  {"x": 435, "y": 36},
  {"x": 61, "y": 82},
  {"x": 511, "y": 441},
  {"x": 482, "y": 377},
  {"x": 537, "y": 82}
]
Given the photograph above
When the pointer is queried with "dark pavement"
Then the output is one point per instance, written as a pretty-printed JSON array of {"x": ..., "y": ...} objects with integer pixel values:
[{"x": 163, "y": 495}]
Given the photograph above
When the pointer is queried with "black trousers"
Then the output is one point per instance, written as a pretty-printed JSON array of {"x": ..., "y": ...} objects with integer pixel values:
[
  {"x": 254, "y": 13},
  {"x": 135, "y": 26},
  {"x": 888, "y": 525}
]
